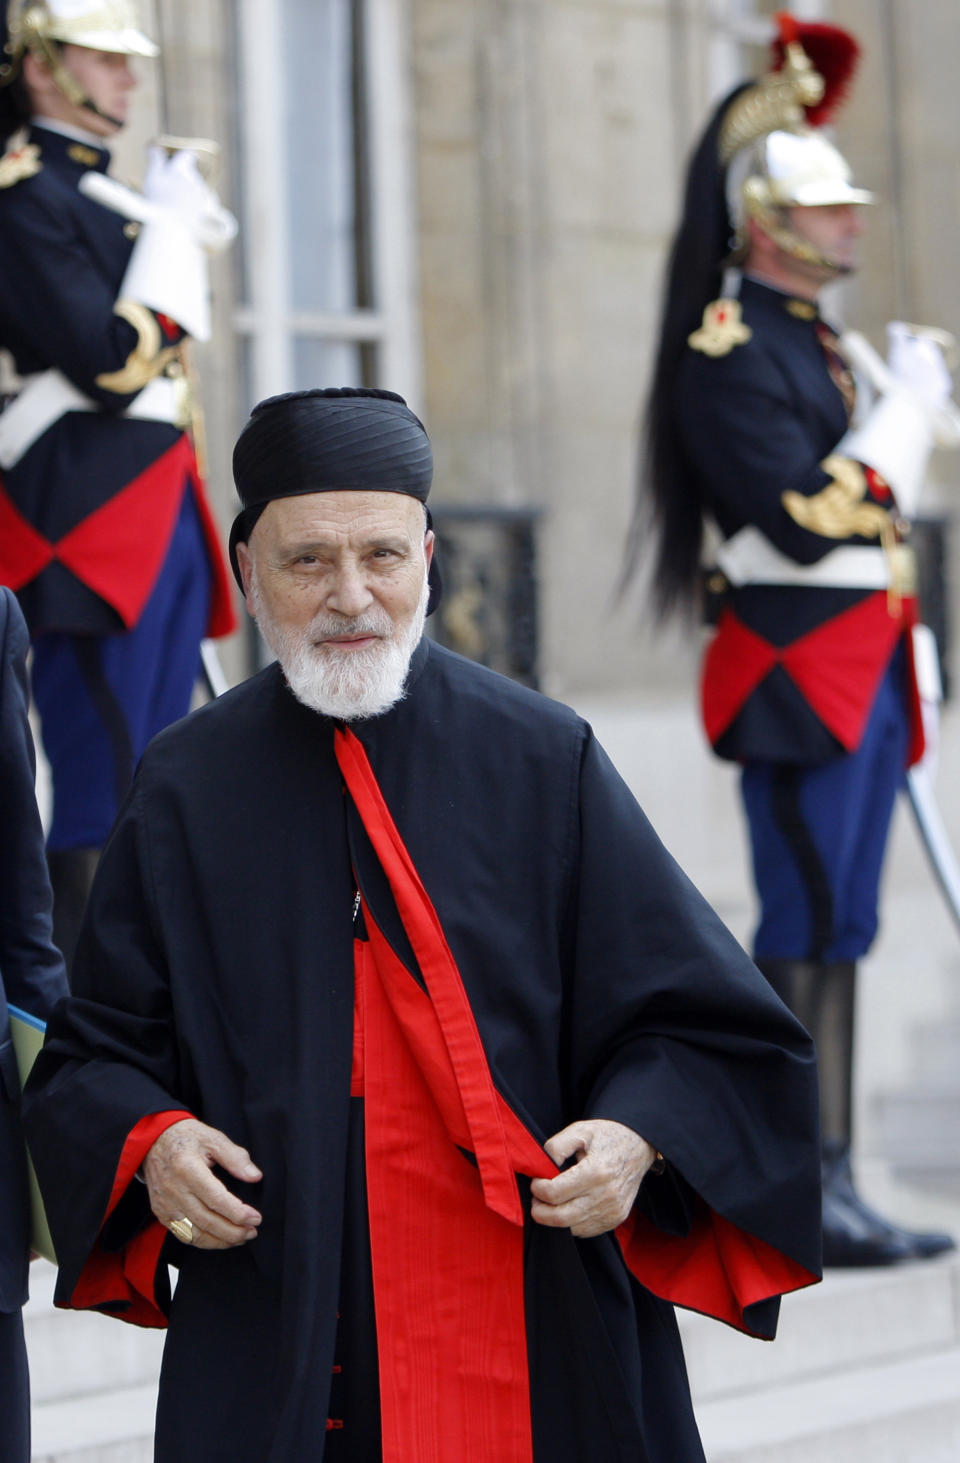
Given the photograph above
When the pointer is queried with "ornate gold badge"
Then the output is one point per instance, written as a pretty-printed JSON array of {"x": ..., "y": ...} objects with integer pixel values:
[
  {"x": 839, "y": 509},
  {"x": 23, "y": 163},
  {"x": 722, "y": 329},
  {"x": 87, "y": 157},
  {"x": 147, "y": 359},
  {"x": 801, "y": 309}
]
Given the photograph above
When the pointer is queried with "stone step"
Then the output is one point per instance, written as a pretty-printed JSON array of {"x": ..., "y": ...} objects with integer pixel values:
[
  {"x": 935, "y": 1049},
  {"x": 900, "y": 1412},
  {"x": 941, "y": 1179},
  {"x": 108, "y": 1427},
  {"x": 853, "y": 1319},
  {"x": 919, "y": 1125},
  {"x": 866, "y": 1366},
  {"x": 73, "y": 1353}
]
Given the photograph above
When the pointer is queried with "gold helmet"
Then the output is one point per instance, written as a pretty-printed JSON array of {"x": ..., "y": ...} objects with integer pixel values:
[
  {"x": 775, "y": 156},
  {"x": 42, "y": 27},
  {"x": 110, "y": 25}
]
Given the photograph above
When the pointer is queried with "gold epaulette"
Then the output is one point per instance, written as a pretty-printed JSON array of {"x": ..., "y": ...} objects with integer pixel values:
[
  {"x": 840, "y": 509},
  {"x": 21, "y": 163},
  {"x": 87, "y": 157},
  {"x": 147, "y": 359},
  {"x": 721, "y": 330}
]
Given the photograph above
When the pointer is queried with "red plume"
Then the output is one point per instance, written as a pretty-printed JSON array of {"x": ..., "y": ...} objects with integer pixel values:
[{"x": 833, "y": 52}]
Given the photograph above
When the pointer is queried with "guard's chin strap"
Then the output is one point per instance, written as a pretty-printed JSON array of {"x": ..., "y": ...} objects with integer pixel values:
[
  {"x": 791, "y": 243},
  {"x": 65, "y": 82},
  {"x": 92, "y": 107}
]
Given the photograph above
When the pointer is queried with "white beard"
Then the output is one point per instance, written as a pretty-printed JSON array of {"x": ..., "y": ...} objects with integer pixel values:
[{"x": 349, "y": 685}]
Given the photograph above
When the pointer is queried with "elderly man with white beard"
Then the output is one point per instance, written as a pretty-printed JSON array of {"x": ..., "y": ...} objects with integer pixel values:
[
  {"x": 443, "y": 1083},
  {"x": 339, "y": 590}
]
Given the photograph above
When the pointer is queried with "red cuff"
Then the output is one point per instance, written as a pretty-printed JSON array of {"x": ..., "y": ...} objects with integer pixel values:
[
  {"x": 124, "y": 1280},
  {"x": 716, "y": 1269}
]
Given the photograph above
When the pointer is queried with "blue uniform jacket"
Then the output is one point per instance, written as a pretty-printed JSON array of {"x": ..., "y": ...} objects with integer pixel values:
[
  {"x": 62, "y": 261},
  {"x": 754, "y": 423}
]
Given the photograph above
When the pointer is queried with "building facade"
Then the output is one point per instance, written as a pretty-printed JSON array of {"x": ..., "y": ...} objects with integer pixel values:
[{"x": 469, "y": 201}]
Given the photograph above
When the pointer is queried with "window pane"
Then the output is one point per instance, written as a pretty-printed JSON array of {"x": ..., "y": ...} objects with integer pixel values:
[
  {"x": 325, "y": 179},
  {"x": 327, "y": 363}
]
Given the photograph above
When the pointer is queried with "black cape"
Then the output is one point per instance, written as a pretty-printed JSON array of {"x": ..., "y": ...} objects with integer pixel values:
[{"x": 214, "y": 973}]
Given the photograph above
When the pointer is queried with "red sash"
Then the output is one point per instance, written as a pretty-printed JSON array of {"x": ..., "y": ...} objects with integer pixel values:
[
  {"x": 453, "y": 1362},
  {"x": 837, "y": 667},
  {"x": 118, "y": 551},
  {"x": 454, "y": 1379}
]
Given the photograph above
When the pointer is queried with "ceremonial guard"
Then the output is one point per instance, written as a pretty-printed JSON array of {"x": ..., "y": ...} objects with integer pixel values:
[
  {"x": 105, "y": 532},
  {"x": 757, "y": 432}
]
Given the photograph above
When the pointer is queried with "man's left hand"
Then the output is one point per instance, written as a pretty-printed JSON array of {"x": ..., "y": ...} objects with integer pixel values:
[{"x": 598, "y": 1192}]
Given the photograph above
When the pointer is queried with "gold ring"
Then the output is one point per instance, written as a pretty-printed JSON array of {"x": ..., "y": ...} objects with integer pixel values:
[{"x": 183, "y": 1229}]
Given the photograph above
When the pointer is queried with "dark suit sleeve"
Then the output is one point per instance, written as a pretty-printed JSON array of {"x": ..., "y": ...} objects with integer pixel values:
[
  {"x": 31, "y": 967},
  {"x": 744, "y": 436}
]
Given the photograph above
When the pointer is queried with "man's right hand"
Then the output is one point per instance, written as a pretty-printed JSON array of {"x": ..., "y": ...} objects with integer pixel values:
[{"x": 177, "y": 1172}]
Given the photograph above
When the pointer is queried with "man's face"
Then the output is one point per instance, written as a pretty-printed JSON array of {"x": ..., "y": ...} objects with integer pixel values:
[
  {"x": 834, "y": 230},
  {"x": 338, "y": 585},
  {"x": 106, "y": 77}
]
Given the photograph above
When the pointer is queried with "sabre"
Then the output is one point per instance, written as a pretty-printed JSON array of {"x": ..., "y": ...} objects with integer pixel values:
[{"x": 934, "y": 837}]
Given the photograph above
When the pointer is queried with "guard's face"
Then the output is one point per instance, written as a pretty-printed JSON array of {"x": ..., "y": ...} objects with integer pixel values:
[
  {"x": 833, "y": 229},
  {"x": 106, "y": 77}
]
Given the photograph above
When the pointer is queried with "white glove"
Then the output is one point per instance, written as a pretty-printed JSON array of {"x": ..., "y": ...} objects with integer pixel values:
[
  {"x": 916, "y": 363},
  {"x": 174, "y": 183},
  {"x": 898, "y": 432},
  {"x": 183, "y": 222}
]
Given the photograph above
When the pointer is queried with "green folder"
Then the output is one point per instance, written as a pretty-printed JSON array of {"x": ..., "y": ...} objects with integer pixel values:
[{"x": 27, "y": 1033}]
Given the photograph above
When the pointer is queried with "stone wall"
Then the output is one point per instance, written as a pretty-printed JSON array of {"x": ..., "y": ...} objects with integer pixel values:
[
  {"x": 551, "y": 140},
  {"x": 549, "y": 150}
]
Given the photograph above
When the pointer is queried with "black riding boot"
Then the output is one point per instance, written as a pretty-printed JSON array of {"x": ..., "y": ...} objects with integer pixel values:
[
  {"x": 71, "y": 874},
  {"x": 821, "y": 995}
]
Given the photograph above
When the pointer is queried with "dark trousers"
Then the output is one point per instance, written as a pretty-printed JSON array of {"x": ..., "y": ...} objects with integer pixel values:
[
  {"x": 818, "y": 837},
  {"x": 101, "y": 698},
  {"x": 14, "y": 1391}
]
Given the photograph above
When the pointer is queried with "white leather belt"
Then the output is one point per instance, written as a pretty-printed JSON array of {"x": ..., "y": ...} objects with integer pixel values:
[
  {"x": 750, "y": 558},
  {"x": 44, "y": 398}
]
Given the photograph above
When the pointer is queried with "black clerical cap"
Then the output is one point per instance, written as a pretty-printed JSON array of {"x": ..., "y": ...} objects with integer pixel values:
[{"x": 327, "y": 440}]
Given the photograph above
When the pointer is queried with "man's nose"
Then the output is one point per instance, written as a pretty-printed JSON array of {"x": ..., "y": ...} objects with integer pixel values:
[{"x": 349, "y": 593}]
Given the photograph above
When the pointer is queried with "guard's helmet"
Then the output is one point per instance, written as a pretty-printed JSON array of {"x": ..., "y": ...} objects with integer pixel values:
[
  {"x": 111, "y": 25},
  {"x": 769, "y": 143},
  {"x": 43, "y": 27},
  {"x": 761, "y": 154}
]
